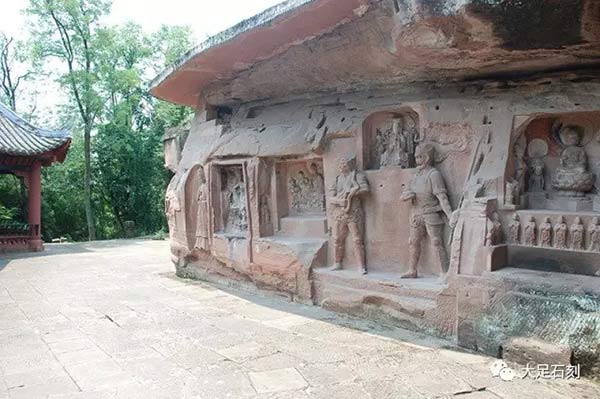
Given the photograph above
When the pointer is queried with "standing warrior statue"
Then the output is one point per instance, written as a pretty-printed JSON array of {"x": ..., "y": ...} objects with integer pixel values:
[
  {"x": 348, "y": 215},
  {"x": 427, "y": 192}
]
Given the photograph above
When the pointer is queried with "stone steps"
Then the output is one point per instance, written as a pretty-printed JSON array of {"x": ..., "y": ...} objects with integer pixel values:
[
  {"x": 341, "y": 294},
  {"x": 422, "y": 287}
]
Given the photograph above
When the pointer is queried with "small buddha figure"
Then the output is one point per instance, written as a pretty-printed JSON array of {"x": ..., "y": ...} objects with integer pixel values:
[
  {"x": 594, "y": 231},
  {"x": 560, "y": 233},
  {"x": 530, "y": 232},
  {"x": 512, "y": 192},
  {"x": 546, "y": 233},
  {"x": 572, "y": 177},
  {"x": 576, "y": 232},
  {"x": 537, "y": 181},
  {"x": 515, "y": 230}
]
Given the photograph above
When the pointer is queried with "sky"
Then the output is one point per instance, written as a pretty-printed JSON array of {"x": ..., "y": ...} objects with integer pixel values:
[{"x": 205, "y": 17}]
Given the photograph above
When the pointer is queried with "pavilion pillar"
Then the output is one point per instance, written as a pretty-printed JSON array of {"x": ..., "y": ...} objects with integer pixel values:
[{"x": 35, "y": 207}]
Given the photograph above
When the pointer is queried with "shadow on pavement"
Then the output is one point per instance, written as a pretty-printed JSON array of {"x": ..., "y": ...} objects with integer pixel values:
[{"x": 278, "y": 302}]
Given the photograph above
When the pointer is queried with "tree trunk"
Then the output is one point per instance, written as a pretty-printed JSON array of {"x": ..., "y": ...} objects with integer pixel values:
[{"x": 87, "y": 183}]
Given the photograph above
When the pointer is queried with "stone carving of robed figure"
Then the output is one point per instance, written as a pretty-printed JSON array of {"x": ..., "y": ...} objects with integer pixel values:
[
  {"x": 348, "y": 216},
  {"x": 428, "y": 195}
]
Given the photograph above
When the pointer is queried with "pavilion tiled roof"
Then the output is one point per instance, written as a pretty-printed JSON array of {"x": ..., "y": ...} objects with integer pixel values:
[{"x": 19, "y": 138}]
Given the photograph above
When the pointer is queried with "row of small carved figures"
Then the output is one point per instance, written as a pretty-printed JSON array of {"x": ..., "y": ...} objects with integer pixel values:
[{"x": 555, "y": 236}]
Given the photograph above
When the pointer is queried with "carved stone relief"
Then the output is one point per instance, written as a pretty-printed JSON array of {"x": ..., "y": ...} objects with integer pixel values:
[
  {"x": 264, "y": 210},
  {"x": 546, "y": 233},
  {"x": 202, "y": 220},
  {"x": 347, "y": 211},
  {"x": 530, "y": 232},
  {"x": 306, "y": 189},
  {"x": 572, "y": 178},
  {"x": 233, "y": 194},
  {"x": 520, "y": 164},
  {"x": 513, "y": 192},
  {"x": 428, "y": 195},
  {"x": 576, "y": 233},
  {"x": 560, "y": 233},
  {"x": 515, "y": 230},
  {"x": 395, "y": 141},
  {"x": 594, "y": 231},
  {"x": 494, "y": 234},
  {"x": 172, "y": 203},
  {"x": 537, "y": 150}
]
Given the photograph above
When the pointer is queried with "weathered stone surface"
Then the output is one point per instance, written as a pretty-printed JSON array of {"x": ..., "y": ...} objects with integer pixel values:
[
  {"x": 469, "y": 134},
  {"x": 287, "y": 379},
  {"x": 524, "y": 350}
]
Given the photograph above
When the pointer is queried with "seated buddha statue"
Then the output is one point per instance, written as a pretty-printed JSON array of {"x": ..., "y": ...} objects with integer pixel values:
[{"x": 572, "y": 177}]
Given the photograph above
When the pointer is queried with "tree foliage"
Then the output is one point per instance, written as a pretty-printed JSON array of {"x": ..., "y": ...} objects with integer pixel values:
[{"x": 117, "y": 126}]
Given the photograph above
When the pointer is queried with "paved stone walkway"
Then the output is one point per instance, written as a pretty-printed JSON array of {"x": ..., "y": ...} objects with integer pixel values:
[{"x": 110, "y": 320}]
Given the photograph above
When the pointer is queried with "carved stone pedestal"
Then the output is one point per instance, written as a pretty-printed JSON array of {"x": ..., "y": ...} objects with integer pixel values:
[
  {"x": 570, "y": 204},
  {"x": 535, "y": 200}
]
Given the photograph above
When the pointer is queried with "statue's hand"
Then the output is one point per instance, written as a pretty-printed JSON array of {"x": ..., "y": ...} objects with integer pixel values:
[
  {"x": 336, "y": 201},
  {"x": 408, "y": 196},
  {"x": 454, "y": 218}
]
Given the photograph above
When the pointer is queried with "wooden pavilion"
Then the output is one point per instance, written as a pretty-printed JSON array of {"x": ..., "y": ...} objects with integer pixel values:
[{"x": 24, "y": 150}]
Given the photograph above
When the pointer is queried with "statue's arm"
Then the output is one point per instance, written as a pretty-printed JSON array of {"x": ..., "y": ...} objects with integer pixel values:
[
  {"x": 363, "y": 184},
  {"x": 439, "y": 190},
  {"x": 445, "y": 204}
]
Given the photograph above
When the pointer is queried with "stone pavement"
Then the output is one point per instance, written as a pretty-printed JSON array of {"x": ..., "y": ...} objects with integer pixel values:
[{"x": 110, "y": 320}]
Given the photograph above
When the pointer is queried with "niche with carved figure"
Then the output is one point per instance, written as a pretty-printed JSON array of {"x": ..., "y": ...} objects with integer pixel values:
[
  {"x": 390, "y": 139},
  {"x": 556, "y": 163},
  {"x": 300, "y": 198},
  {"x": 305, "y": 187},
  {"x": 230, "y": 201}
]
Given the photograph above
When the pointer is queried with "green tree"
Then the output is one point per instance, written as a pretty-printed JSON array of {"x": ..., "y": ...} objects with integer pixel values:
[
  {"x": 11, "y": 53},
  {"x": 65, "y": 30}
]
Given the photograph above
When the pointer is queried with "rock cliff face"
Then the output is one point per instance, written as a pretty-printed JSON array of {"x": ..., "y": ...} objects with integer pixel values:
[{"x": 418, "y": 141}]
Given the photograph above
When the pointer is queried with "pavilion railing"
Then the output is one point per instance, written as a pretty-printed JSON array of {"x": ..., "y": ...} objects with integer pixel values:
[{"x": 17, "y": 235}]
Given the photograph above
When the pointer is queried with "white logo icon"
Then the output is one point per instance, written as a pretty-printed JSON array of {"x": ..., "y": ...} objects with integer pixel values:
[{"x": 500, "y": 369}]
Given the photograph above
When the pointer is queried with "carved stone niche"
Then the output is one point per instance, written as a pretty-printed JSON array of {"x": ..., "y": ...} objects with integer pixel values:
[
  {"x": 560, "y": 158},
  {"x": 305, "y": 188},
  {"x": 230, "y": 202},
  {"x": 390, "y": 139},
  {"x": 300, "y": 193}
]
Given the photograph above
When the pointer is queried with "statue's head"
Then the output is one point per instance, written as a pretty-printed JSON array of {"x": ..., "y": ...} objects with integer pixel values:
[
  {"x": 596, "y": 220},
  {"x": 561, "y": 219},
  {"x": 424, "y": 155},
  {"x": 547, "y": 220},
  {"x": 345, "y": 165},
  {"x": 516, "y": 217},
  {"x": 570, "y": 135},
  {"x": 313, "y": 168},
  {"x": 577, "y": 220},
  {"x": 531, "y": 219}
]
